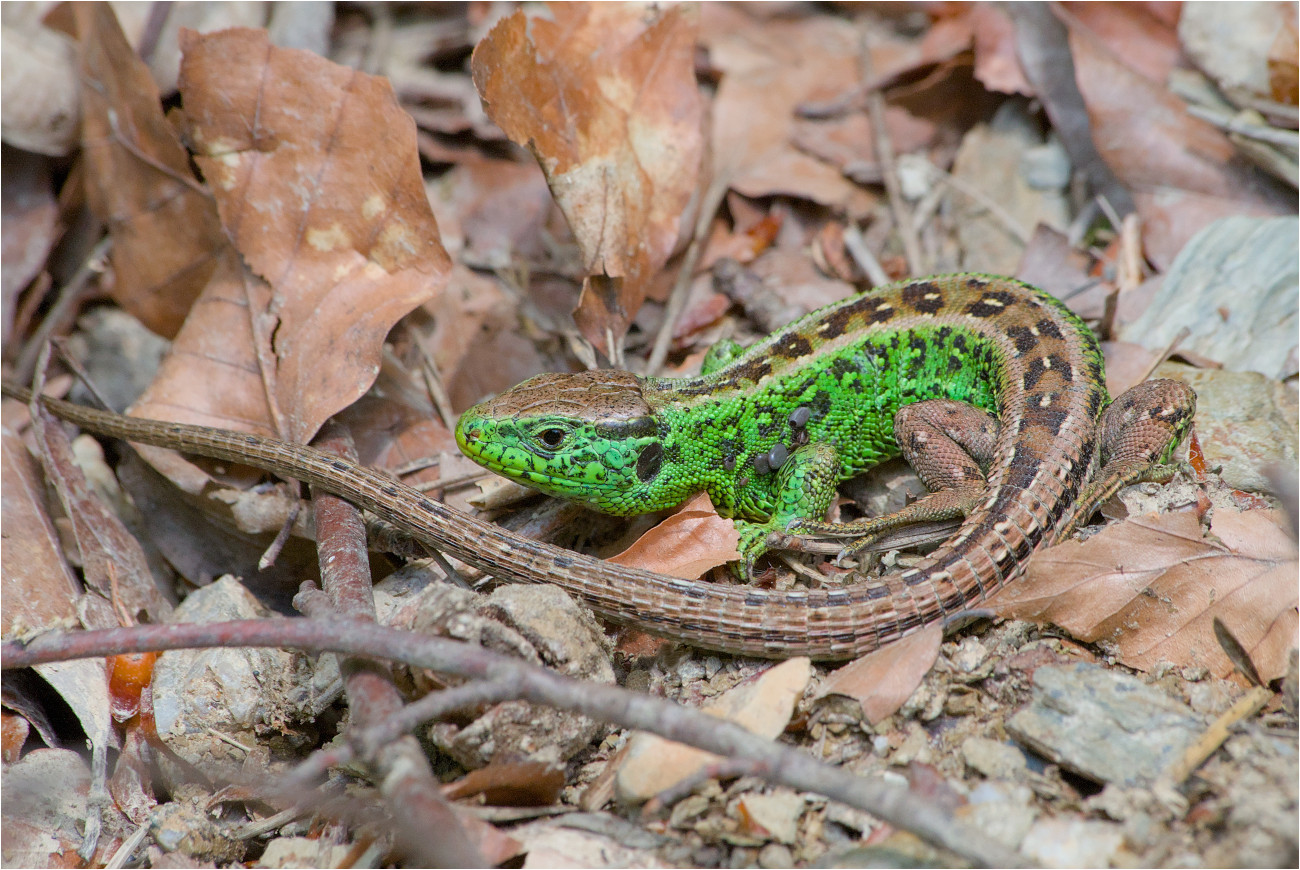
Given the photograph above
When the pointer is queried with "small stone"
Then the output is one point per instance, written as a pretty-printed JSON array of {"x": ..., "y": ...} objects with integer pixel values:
[
  {"x": 1104, "y": 725},
  {"x": 777, "y": 813},
  {"x": 689, "y": 669},
  {"x": 1072, "y": 842},
  {"x": 993, "y": 759},
  {"x": 775, "y": 855},
  {"x": 1001, "y": 811},
  {"x": 969, "y": 655}
]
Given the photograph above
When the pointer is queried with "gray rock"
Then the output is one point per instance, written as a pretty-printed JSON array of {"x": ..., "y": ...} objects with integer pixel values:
[{"x": 1103, "y": 725}]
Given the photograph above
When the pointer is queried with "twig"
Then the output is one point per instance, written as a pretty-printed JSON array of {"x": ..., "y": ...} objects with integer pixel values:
[
  {"x": 124, "y": 852},
  {"x": 885, "y": 154},
  {"x": 1248, "y": 127},
  {"x": 1206, "y": 745},
  {"x": 709, "y": 205},
  {"x": 407, "y": 783},
  {"x": 895, "y": 804},
  {"x": 364, "y": 741},
  {"x": 997, "y": 212},
  {"x": 862, "y": 255},
  {"x": 71, "y": 295}
]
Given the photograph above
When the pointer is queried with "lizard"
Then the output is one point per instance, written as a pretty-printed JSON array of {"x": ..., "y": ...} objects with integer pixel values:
[{"x": 993, "y": 390}]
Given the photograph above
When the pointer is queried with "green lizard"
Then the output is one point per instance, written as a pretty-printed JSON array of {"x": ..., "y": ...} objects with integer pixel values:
[{"x": 993, "y": 390}]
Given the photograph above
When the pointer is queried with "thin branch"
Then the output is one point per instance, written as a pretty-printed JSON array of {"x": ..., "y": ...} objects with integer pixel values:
[
  {"x": 888, "y": 168},
  {"x": 709, "y": 205},
  {"x": 892, "y": 803}
]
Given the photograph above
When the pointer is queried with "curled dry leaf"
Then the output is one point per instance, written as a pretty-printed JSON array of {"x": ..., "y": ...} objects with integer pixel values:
[
  {"x": 317, "y": 180},
  {"x": 1152, "y": 586},
  {"x": 688, "y": 543},
  {"x": 166, "y": 237},
  {"x": 605, "y": 96},
  {"x": 113, "y": 562}
]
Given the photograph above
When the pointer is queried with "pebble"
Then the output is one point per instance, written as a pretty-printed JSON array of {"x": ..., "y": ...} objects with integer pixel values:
[{"x": 1104, "y": 725}]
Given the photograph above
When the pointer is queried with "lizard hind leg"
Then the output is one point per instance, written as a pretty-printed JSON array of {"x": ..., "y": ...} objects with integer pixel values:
[
  {"x": 948, "y": 444},
  {"x": 1137, "y": 435}
]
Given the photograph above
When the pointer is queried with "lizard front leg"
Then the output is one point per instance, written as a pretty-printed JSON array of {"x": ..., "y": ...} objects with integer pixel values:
[
  {"x": 948, "y": 444},
  {"x": 804, "y": 486}
]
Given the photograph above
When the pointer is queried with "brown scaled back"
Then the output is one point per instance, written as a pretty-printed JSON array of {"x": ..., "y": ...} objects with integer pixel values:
[{"x": 599, "y": 396}]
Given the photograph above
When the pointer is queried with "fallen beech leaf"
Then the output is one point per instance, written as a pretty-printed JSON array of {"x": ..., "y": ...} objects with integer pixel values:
[
  {"x": 318, "y": 184},
  {"x": 1151, "y": 587},
  {"x": 688, "y": 543},
  {"x": 514, "y": 784},
  {"x": 166, "y": 236},
  {"x": 884, "y": 679},
  {"x": 769, "y": 69},
  {"x": 605, "y": 97},
  {"x": 996, "y": 65},
  {"x": 1182, "y": 171},
  {"x": 28, "y": 228}
]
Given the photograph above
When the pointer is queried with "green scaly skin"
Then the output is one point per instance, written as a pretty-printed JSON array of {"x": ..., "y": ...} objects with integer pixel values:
[{"x": 626, "y": 445}]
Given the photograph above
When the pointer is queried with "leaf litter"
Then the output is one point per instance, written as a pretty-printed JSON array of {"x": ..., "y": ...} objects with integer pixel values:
[{"x": 283, "y": 267}]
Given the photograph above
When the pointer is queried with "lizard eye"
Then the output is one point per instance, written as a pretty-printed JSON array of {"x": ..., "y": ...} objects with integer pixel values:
[{"x": 553, "y": 437}]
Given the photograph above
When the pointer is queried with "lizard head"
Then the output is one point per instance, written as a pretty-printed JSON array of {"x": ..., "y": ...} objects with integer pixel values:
[{"x": 589, "y": 437}]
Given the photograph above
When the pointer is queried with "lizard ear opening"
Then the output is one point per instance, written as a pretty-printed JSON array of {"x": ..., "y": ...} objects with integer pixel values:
[{"x": 648, "y": 463}]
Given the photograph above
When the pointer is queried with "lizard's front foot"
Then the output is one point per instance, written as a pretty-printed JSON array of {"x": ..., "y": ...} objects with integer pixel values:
[{"x": 752, "y": 546}]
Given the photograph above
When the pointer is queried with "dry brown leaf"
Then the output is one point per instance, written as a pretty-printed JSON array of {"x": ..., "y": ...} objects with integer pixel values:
[
  {"x": 996, "y": 65},
  {"x": 317, "y": 180},
  {"x": 769, "y": 69},
  {"x": 39, "y": 80},
  {"x": 1183, "y": 172},
  {"x": 113, "y": 563},
  {"x": 688, "y": 543},
  {"x": 1049, "y": 261},
  {"x": 28, "y": 227},
  {"x": 1151, "y": 587},
  {"x": 39, "y": 590},
  {"x": 476, "y": 340},
  {"x": 513, "y": 784},
  {"x": 883, "y": 680},
  {"x": 166, "y": 237},
  {"x": 606, "y": 98},
  {"x": 1136, "y": 34}
]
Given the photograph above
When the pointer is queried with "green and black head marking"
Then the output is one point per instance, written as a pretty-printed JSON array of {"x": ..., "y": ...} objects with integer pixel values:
[{"x": 589, "y": 437}]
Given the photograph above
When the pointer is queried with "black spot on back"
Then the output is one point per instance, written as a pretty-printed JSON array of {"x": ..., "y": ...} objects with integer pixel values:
[
  {"x": 792, "y": 346},
  {"x": 1024, "y": 340},
  {"x": 880, "y": 315},
  {"x": 990, "y": 304},
  {"x": 1033, "y": 373},
  {"x": 924, "y": 297},
  {"x": 1048, "y": 328}
]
